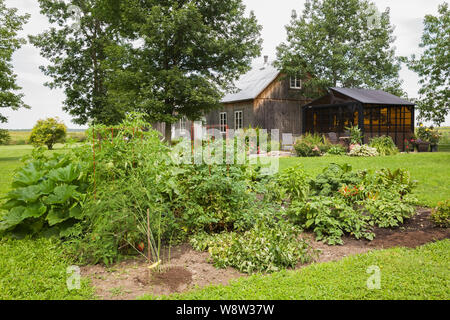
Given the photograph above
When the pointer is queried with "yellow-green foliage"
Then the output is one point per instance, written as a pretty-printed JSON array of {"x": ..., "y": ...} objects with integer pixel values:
[
  {"x": 48, "y": 132},
  {"x": 441, "y": 214}
]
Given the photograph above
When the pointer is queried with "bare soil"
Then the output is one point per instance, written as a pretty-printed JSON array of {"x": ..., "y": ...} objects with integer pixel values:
[{"x": 188, "y": 268}]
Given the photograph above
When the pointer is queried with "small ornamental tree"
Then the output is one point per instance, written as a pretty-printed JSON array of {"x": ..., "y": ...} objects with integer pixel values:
[{"x": 48, "y": 132}]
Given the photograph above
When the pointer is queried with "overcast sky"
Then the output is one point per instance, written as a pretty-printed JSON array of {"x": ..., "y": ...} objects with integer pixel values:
[{"x": 273, "y": 15}]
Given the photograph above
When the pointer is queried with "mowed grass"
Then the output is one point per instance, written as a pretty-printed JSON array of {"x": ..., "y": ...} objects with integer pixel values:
[
  {"x": 420, "y": 273},
  {"x": 9, "y": 161},
  {"x": 37, "y": 270},
  {"x": 431, "y": 170}
]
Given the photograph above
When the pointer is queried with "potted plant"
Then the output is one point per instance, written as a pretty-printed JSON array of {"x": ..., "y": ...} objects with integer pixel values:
[
  {"x": 422, "y": 146},
  {"x": 434, "y": 137}
]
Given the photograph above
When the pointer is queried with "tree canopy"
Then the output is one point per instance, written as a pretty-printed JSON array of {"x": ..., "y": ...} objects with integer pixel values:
[
  {"x": 10, "y": 24},
  {"x": 166, "y": 58},
  {"x": 341, "y": 43},
  {"x": 433, "y": 67},
  {"x": 76, "y": 48},
  {"x": 180, "y": 56}
]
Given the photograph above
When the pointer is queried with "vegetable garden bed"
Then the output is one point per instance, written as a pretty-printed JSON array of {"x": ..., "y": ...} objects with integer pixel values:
[{"x": 189, "y": 269}]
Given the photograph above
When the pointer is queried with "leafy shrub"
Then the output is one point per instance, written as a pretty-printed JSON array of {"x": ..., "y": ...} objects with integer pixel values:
[
  {"x": 48, "y": 132},
  {"x": 441, "y": 214},
  {"x": 47, "y": 194},
  {"x": 294, "y": 182},
  {"x": 384, "y": 145},
  {"x": 356, "y": 136},
  {"x": 343, "y": 201},
  {"x": 5, "y": 137},
  {"x": 333, "y": 177},
  {"x": 330, "y": 218},
  {"x": 363, "y": 151},
  {"x": 398, "y": 182},
  {"x": 311, "y": 145},
  {"x": 268, "y": 247},
  {"x": 337, "y": 150},
  {"x": 388, "y": 212},
  {"x": 133, "y": 174}
]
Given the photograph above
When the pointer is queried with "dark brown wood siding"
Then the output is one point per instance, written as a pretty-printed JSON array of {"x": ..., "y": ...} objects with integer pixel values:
[{"x": 277, "y": 107}]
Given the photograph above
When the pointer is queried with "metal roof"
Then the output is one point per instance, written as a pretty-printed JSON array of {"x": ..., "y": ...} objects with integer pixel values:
[
  {"x": 251, "y": 84},
  {"x": 372, "y": 96}
]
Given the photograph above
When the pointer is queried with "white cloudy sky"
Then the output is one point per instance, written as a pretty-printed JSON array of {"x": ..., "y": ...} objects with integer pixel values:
[{"x": 406, "y": 15}]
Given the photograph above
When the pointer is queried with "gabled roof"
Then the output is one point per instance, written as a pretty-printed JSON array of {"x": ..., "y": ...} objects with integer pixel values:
[
  {"x": 372, "y": 96},
  {"x": 251, "y": 84}
]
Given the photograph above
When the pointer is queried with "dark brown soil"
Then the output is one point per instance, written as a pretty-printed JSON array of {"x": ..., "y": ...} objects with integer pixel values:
[
  {"x": 188, "y": 268},
  {"x": 414, "y": 232},
  {"x": 174, "y": 278}
]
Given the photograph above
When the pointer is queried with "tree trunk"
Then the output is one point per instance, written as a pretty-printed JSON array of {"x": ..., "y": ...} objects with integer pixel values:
[{"x": 168, "y": 132}]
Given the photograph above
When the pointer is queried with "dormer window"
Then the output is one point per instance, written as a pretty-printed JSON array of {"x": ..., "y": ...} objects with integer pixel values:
[{"x": 296, "y": 82}]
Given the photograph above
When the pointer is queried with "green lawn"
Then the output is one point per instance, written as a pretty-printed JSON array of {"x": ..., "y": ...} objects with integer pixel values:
[
  {"x": 431, "y": 170},
  {"x": 36, "y": 269},
  {"x": 420, "y": 273}
]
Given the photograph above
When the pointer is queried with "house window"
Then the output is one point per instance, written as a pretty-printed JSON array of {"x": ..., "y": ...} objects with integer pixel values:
[
  {"x": 238, "y": 120},
  {"x": 183, "y": 124},
  {"x": 296, "y": 82},
  {"x": 223, "y": 122}
]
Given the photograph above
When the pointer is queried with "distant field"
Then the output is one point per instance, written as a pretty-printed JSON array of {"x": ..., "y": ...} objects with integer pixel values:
[
  {"x": 444, "y": 144},
  {"x": 21, "y": 137}
]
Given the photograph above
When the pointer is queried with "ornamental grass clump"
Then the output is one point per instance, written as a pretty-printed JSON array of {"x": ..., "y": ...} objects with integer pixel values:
[{"x": 385, "y": 145}]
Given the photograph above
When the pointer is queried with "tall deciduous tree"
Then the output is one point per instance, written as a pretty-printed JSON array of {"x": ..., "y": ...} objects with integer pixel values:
[
  {"x": 181, "y": 56},
  {"x": 341, "y": 43},
  {"x": 433, "y": 67},
  {"x": 76, "y": 47},
  {"x": 10, "y": 24}
]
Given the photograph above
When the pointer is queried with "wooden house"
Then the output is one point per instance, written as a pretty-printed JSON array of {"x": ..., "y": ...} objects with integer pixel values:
[{"x": 265, "y": 98}]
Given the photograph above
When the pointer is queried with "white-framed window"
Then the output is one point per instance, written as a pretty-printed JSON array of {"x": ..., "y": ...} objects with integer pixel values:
[
  {"x": 238, "y": 120},
  {"x": 183, "y": 122},
  {"x": 223, "y": 121},
  {"x": 296, "y": 82}
]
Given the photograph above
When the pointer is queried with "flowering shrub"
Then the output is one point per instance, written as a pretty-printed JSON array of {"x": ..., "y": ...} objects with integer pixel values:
[
  {"x": 363, "y": 151},
  {"x": 410, "y": 145},
  {"x": 350, "y": 192},
  {"x": 311, "y": 145}
]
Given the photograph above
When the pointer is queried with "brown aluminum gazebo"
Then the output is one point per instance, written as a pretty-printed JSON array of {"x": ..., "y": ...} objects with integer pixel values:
[{"x": 375, "y": 112}]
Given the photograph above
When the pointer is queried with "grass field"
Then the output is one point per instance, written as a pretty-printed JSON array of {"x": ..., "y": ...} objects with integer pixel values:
[
  {"x": 420, "y": 273},
  {"x": 21, "y": 137}
]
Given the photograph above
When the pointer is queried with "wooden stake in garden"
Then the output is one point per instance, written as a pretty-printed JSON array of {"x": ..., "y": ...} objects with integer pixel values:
[{"x": 148, "y": 236}]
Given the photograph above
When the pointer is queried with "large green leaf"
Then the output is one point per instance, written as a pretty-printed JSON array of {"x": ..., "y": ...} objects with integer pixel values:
[
  {"x": 62, "y": 194},
  {"x": 27, "y": 194},
  {"x": 56, "y": 216},
  {"x": 17, "y": 214},
  {"x": 66, "y": 174},
  {"x": 76, "y": 212},
  {"x": 27, "y": 176}
]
